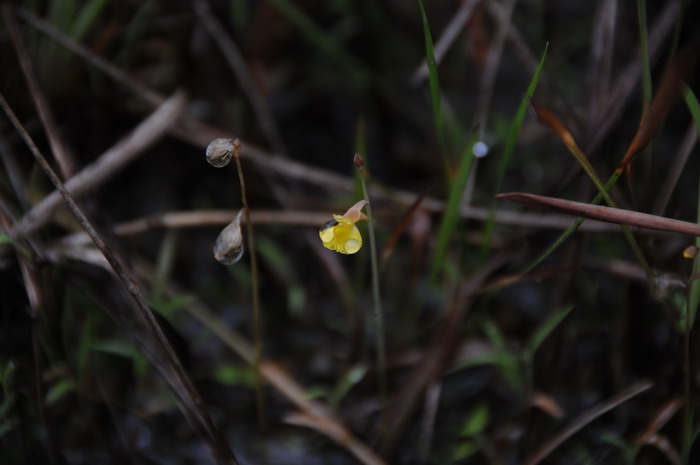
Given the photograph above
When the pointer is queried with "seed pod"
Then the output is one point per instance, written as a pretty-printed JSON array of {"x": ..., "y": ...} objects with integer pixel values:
[
  {"x": 228, "y": 248},
  {"x": 220, "y": 152}
]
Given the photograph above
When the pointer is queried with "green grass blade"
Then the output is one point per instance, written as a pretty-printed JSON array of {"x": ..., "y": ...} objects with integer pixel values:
[
  {"x": 450, "y": 218},
  {"x": 644, "y": 47},
  {"x": 511, "y": 141},
  {"x": 694, "y": 106},
  {"x": 60, "y": 13},
  {"x": 546, "y": 328},
  {"x": 86, "y": 18},
  {"x": 516, "y": 125},
  {"x": 433, "y": 77}
]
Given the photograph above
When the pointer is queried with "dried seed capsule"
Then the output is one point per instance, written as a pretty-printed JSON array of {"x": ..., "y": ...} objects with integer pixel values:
[
  {"x": 228, "y": 248},
  {"x": 220, "y": 152}
]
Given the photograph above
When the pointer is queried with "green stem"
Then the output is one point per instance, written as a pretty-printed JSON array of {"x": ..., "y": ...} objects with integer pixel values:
[
  {"x": 257, "y": 331},
  {"x": 378, "y": 313}
]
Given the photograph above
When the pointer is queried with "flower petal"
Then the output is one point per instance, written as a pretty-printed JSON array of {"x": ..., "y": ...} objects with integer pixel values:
[{"x": 341, "y": 235}]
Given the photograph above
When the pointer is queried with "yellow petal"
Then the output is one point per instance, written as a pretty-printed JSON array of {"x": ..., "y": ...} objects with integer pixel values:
[
  {"x": 352, "y": 246},
  {"x": 326, "y": 234},
  {"x": 350, "y": 241},
  {"x": 341, "y": 235}
]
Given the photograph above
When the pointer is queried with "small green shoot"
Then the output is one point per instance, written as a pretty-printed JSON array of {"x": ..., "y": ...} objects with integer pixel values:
[
  {"x": 350, "y": 379},
  {"x": 471, "y": 433},
  {"x": 233, "y": 374},
  {"x": 59, "y": 390}
]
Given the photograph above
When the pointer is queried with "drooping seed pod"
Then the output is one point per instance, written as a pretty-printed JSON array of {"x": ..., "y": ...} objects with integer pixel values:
[
  {"x": 220, "y": 152},
  {"x": 228, "y": 248}
]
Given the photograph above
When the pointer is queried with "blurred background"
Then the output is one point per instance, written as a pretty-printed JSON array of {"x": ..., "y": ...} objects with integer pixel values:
[{"x": 588, "y": 357}]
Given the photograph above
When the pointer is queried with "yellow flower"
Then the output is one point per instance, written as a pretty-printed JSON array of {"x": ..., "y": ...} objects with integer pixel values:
[{"x": 341, "y": 234}]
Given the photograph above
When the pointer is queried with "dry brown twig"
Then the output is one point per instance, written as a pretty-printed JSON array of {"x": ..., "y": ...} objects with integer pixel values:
[
  {"x": 597, "y": 212},
  {"x": 194, "y": 131}
]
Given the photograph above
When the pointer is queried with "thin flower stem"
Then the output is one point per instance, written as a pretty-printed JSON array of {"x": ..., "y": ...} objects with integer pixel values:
[
  {"x": 378, "y": 313},
  {"x": 257, "y": 331}
]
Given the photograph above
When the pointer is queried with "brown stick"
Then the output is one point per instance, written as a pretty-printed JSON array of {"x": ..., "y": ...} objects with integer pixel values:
[{"x": 610, "y": 215}]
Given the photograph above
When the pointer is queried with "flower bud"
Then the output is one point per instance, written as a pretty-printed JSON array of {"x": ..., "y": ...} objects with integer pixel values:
[
  {"x": 220, "y": 151},
  {"x": 228, "y": 248},
  {"x": 358, "y": 161}
]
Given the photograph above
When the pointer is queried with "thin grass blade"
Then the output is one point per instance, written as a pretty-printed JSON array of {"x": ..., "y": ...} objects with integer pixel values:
[
  {"x": 694, "y": 299},
  {"x": 546, "y": 328},
  {"x": 558, "y": 127},
  {"x": 86, "y": 18},
  {"x": 451, "y": 216},
  {"x": 511, "y": 141},
  {"x": 433, "y": 77}
]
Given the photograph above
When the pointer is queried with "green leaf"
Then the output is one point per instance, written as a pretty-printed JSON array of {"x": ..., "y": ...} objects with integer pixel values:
[
  {"x": 353, "y": 376},
  {"x": 476, "y": 423},
  {"x": 507, "y": 361},
  {"x": 234, "y": 375},
  {"x": 86, "y": 18},
  {"x": 464, "y": 449},
  {"x": 59, "y": 390}
]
